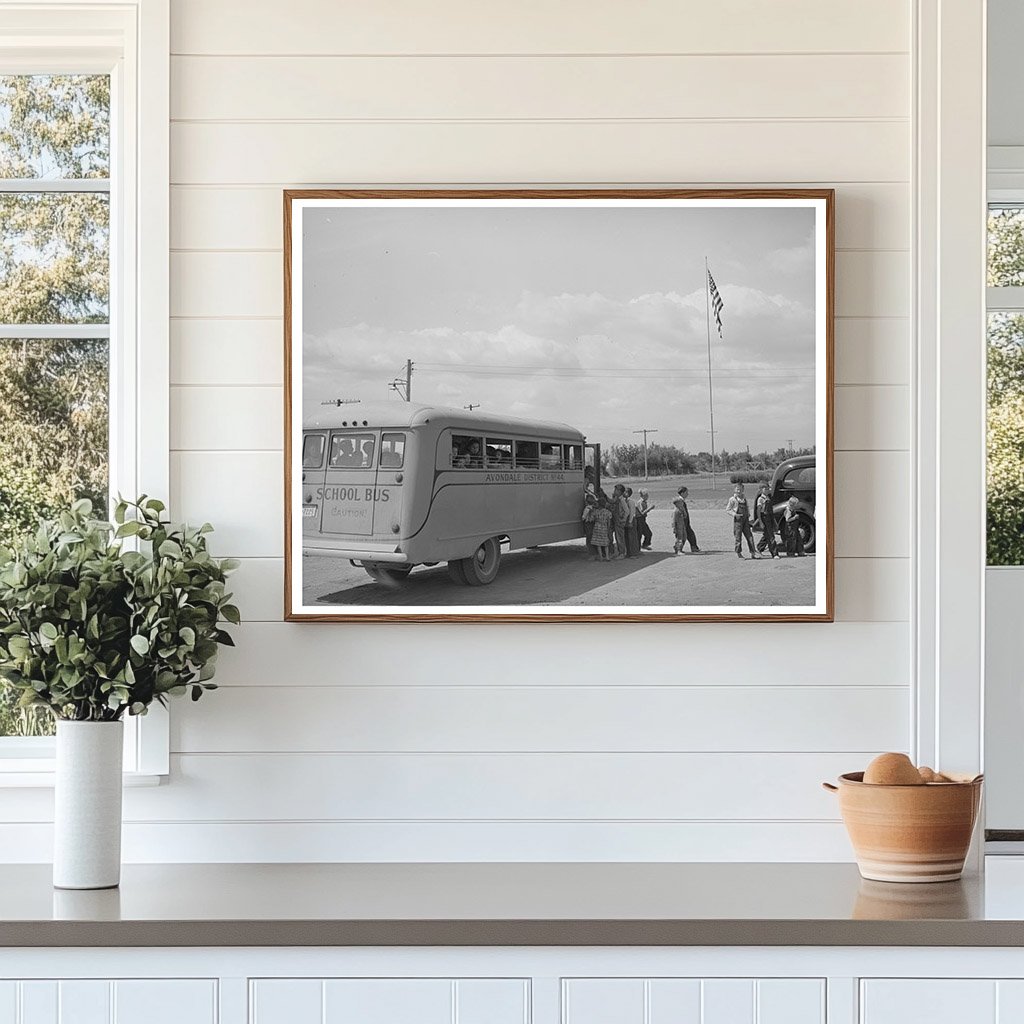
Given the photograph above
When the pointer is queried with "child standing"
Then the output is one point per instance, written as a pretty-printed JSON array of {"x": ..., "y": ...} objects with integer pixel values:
[
  {"x": 680, "y": 520},
  {"x": 602, "y": 535},
  {"x": 794, "y": 539},
  {"x": 643, "y": 507},
  {"x": 765, "y": 515},
  {"x": 738, "y": 508}
]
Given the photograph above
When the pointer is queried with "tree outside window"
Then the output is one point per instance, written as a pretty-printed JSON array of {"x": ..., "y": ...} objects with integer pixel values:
[
  {"x": 54, "y": 307},
  {"x": 1005, "y": 484}
]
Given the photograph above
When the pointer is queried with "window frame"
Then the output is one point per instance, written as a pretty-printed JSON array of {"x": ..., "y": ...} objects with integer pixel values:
[{"x": 130, "y": 41}]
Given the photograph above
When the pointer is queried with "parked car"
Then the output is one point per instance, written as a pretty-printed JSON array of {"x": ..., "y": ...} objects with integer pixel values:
[{"x": 795, "y": 477}]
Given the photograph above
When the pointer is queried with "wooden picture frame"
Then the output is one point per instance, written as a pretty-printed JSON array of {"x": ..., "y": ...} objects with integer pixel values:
[{"x": 359, "y": 472}]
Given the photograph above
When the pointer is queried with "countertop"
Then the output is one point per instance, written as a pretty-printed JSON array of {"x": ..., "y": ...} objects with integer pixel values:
[{"x": 560, "y": 904}]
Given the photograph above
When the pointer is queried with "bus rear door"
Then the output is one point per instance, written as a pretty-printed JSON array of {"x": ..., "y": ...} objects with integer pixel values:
[
  {"x": 592, "y": 465},
  {"x": 391, "y": 470},
  {"x": 350, "y": 483}
]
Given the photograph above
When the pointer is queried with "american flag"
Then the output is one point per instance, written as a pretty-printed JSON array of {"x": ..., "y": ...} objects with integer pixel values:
[{"x": 716, "y": 302}]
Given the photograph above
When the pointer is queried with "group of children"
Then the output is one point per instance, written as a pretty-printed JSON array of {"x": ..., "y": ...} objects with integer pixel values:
[
  {"x": 616, "y": 526},
  {"x": 764, "y": 514}
]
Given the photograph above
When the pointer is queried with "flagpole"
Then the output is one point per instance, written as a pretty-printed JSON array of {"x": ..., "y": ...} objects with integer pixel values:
[{"x": 711, "y": 390}]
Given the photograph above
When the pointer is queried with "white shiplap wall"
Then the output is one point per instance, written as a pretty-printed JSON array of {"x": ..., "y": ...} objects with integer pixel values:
[{"x": 598, "y": 742}]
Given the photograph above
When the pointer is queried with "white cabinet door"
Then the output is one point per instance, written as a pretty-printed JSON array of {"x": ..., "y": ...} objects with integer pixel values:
[
  {"x": 932, "y": 1001},
  {"x": 389, "y": 1001},
  {"x": 145, "y": 1001},
  {"x": 693, "y": 1001}
]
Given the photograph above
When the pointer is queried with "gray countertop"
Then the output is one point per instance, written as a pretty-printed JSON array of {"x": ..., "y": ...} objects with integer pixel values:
[{"x": 501, "y": 904}]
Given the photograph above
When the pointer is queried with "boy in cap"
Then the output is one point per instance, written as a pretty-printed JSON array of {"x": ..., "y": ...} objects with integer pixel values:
[
  {"x": 765, "y": 515},
  {"x": 738, "y": 508}
]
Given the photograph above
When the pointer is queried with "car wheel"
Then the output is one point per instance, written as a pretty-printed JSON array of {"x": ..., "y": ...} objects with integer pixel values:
[
  {"x": 455, "y": 573},
  {"x": 482, "y": 567},
  {"x": 807, "y": 532}
]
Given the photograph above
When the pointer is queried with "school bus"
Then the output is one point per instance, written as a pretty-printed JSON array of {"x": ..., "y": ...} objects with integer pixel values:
[{"x": 394, "y": 485}]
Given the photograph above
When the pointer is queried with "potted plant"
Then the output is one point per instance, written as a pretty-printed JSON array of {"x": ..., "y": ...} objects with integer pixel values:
[{"x": 99, "y": 620}]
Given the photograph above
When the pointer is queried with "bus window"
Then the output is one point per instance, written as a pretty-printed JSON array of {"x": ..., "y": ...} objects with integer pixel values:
[
  {"x": 467, "y": 452},
  {"x": 313, "y": 451},
  {"x": 550, "y": 455},
  {"x": 527, "y": 455},
  {"x": 392, "y": 451},
  {"x": 352, "y": 451},
  {"x": 573, "y": 457},
  {"x": 499, "y": 454}
]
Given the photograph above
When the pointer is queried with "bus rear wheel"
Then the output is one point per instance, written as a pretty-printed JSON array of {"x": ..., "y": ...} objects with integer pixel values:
[{"x": 481, "y": 567}]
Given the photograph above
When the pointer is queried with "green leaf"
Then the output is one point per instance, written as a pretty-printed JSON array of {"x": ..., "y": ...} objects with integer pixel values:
[
  {"x": 48, "y": 631},
  {"x": 140, "y": 644},
  {"x": 170, "y": 549},
  {"x": 232, "y": 614}
]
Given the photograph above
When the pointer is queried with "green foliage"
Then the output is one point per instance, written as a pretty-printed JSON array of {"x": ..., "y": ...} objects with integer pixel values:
[
  {"x": 91, "y": 630},
  {"x": 1005, "y": 247},
  {"x": 751, "y": 476},
  {"x": 1006, "y": 481}
]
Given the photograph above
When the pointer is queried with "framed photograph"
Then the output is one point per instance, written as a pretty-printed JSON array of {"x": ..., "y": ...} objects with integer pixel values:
[{"x": 558, "y": 405}]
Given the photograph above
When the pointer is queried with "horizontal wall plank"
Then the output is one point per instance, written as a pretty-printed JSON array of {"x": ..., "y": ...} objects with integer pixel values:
[
  {"x": 584, "y": 151},
  {"x": 872, "y": 589},
  {"x": 234, "y": 284},
  {"x": 872, "y": 418},
  {"x": 250, "y": 418},
  {"x": 577, "y": 26},
  {"x": 843, "y": 654},
  {"x": 868, "y": 216},
  {"x": 873, "y": 350},
  {"x": 455, "y": 842},
  {"x": 375, "y": 787},
  {"x": 872, "y": 504},
  {"x": 241, "y": 493},
  {"x": 237, "y": 418},
  {"x": 539, "y": 88},
  {"x": 867, "y": 589},
  {"x": 873, "y": 283},
  {"x": 552, "y": 718}
]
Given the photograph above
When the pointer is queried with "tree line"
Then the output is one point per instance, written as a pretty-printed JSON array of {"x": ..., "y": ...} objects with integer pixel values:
[{"x": 669, "y": 460}]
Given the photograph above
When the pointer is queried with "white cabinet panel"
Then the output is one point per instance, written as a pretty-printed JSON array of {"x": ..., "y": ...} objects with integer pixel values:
[
  {"x": 388, "y": 1001},
  {"x": 39, "y": 1002},
  {"x": 84, "y": 1002},
  {"x": 791, "y": 1001},
  {"x": 488, "y": 1001},
  {"x": 603, "y": 1001},
  {"x": 727, "y": 1001},
  {"x": 286, "y": 1001},
  {"x": 1009, "y": 1002},
  {"x": 693, "y": 1001},
  {"x": 8, "y": 1002},
  {"x": 930, "y": 1001},
  {"x": 165, "y": 1002},
  {"x": 674, "y": 1001}
]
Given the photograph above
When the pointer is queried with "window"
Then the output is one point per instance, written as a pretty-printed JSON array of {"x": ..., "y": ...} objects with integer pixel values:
[
  {"x": 352, "y": 451},
  {"x": 1005, "y": 469},
  {"x": 573, "y": 457},
  {"x": 392, "y": 451},
  {"x": 499, "y": 454},
  {"x": 527, "y": 455},
  {"x": 313, "y": 446},
  {"x": 83, "y": 262},
  {"x": 467, "y": 452},
  {"x": 550, "y": 455},
  {"x": 796, "y": 479}
]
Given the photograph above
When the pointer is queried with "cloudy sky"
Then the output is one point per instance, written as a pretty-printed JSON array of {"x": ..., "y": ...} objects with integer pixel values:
[{"x": 591, "y": 316}]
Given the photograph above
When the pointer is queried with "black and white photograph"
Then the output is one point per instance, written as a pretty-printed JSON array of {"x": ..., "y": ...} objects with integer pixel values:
[{"x": 568, "y": 406}]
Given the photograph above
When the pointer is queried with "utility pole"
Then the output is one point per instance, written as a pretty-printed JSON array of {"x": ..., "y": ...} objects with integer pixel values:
[
  {"x": 789, "y": 446},
  {"x": 403, "y": 387},
  {"x": 645, "y": 431}
]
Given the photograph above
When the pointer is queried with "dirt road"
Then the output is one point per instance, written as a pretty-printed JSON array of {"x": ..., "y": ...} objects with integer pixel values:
[{"x": 563, "y": 574}]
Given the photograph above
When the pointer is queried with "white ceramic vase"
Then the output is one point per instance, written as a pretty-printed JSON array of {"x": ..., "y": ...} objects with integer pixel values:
[{"x": 87, "y": 806}]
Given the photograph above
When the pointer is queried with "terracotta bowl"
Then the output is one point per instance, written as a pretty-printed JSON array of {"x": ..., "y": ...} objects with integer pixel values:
[{"x": 909, "y": 833}]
